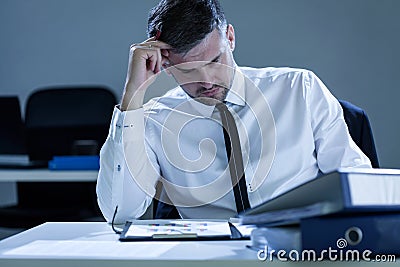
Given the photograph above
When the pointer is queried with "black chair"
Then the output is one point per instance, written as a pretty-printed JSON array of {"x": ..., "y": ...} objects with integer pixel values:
[
  {"x": 62, "y": 121},
  {"x": 12, "y": 139},
  {"x": 360, "y": 131},
  {"x": 57, "y": 119}
]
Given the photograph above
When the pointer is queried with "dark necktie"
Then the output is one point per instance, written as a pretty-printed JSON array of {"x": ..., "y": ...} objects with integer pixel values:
[{"x": 235, "y": 160}]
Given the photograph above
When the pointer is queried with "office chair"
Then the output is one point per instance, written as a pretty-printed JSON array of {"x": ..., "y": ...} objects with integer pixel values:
[
  {"x": 12, "y": 139},
  {"x": 360, "y": 131},
  {"x": 62, "y": 121},
  {"x": 56, "y": 119}
]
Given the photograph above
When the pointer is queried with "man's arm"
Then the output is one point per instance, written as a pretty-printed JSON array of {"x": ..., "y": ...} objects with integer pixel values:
[
  {"x": 128, "y": 170},
  {"x": 128, "y": 167},
  {"x": 333, "y": 144}
]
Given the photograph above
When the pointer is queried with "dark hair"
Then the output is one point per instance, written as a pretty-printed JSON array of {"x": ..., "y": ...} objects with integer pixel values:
[{"x": 185, "y": 23}]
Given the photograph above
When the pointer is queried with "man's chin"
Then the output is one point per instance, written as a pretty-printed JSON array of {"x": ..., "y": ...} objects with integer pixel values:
[
  {"x": 209, "y": 101},
  {"x": 213, "y": 100}
]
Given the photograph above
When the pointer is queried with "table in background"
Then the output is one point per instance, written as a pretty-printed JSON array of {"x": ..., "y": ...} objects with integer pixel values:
[
  {"x": 9, "y": 177},
  {"x": 46, "y": 175}
]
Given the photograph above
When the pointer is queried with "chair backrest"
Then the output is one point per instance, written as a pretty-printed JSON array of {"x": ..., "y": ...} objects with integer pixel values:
[
  {"x": 360, "y": 130},
  {"x": 12, "y": 139},
  {"x": 56, "y": 119}
]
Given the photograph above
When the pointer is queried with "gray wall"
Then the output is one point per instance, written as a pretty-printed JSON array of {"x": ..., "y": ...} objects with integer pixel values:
[{"x": 353, "y": 45}]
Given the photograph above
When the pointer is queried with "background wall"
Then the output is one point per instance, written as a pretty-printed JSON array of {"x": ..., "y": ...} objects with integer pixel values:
[{"x": 352, "y": 45}]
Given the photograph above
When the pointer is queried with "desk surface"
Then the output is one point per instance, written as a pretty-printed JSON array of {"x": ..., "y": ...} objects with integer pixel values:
[
  {"x": 95, "y": 244},
  {"x": 46, "y": 175}
]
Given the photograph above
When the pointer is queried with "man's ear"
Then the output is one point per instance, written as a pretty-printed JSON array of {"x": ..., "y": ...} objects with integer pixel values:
[{"x": 230, "y": 35}]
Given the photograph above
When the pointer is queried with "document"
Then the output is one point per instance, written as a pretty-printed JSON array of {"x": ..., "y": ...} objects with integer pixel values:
[{"x": 159, "y": 230}]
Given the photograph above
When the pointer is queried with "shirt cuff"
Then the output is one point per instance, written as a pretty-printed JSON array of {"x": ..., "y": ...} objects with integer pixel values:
[{"x": 127, "y": 126}]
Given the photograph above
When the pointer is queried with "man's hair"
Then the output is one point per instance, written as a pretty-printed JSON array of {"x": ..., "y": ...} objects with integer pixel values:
[{"x": 185, "y": 23}]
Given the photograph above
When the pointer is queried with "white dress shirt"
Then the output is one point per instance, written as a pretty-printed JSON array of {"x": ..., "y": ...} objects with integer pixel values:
[{"x": 291, "y": 130}]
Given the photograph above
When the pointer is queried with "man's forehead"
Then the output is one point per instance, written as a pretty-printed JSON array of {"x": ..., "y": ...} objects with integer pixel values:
[{"x": 206, "y": 50}]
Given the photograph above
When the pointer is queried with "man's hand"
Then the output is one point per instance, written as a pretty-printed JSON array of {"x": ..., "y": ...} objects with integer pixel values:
[{"x": 145, "y": 61}]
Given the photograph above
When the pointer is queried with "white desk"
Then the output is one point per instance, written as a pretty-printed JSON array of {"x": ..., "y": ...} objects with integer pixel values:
[{"x": 95, "y": 244}]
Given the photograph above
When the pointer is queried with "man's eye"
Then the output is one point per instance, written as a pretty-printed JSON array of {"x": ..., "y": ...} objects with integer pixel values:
[
  {"x": 216, "y": 60},
  {"x": 186, "y": 71}
]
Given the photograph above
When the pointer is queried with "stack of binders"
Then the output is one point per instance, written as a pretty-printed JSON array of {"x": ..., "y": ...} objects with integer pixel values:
[{"x": 344, "y": 211}]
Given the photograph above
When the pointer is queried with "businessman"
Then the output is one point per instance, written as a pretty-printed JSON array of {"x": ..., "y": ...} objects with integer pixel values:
[{"x": 289, "y": 127}]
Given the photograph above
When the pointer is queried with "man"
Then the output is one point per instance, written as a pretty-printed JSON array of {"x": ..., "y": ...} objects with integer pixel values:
[{"x": 291, "y": 129}]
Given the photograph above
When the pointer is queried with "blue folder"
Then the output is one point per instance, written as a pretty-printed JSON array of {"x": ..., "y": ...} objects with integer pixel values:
[{"x": 74, "y": 163}]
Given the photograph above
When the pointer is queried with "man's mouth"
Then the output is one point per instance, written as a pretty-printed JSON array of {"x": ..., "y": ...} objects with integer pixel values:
[{"x": 211, "y": 92}]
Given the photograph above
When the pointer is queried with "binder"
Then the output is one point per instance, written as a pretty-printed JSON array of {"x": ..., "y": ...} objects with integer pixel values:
[
  {"x": 378, "y": 233},
  {"x": 344, "y": 191},
  {"x": 180, "y": 230},
  {"x": 333, "y": 237}
]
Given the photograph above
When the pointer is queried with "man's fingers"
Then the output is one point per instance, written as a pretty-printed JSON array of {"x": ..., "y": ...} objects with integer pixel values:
[
  {"x": 162, "y": 45},
  {"x": 156, "y": 53},
  {"x": 152, "y": 44},
  {"x": 153, "y": 38},
  {"x": 159, "y": 61},
  {"x": 152, "y": 62}
]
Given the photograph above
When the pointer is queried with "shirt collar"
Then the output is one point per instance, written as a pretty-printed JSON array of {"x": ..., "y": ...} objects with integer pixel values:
[{"x": 235, "y": 96}]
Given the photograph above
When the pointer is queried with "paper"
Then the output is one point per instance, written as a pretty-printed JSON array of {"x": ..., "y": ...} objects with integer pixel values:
[
  {"x": 89, "y": 249},
  {"x": 191, "y": 228}
]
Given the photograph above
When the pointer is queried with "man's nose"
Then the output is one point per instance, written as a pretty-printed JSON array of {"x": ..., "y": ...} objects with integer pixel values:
[
  {"x": 207, "y": 85},
  {"x": 205, "y": 79}
]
